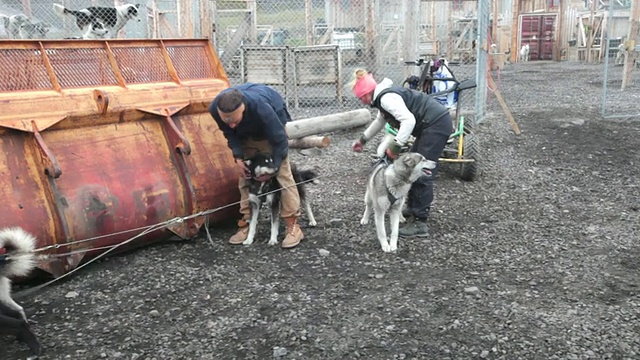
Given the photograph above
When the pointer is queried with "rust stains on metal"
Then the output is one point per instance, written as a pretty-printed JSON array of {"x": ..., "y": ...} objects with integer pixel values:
[{"x": 103, "y": 138}]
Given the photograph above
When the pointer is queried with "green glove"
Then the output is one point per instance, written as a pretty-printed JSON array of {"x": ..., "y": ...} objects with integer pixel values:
[{"x": 395, "y": 148}]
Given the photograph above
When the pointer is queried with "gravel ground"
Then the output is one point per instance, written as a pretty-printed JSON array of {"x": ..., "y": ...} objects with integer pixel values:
[{"x": 537, "y": 259}]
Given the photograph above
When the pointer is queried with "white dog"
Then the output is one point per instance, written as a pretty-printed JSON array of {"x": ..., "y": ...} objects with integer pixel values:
[
  {"x": 620, "y": 55},
  {"x": 387, "y": 188},
  {"x": 524, "y": 52},
  {"x": 16, "y": 260}
]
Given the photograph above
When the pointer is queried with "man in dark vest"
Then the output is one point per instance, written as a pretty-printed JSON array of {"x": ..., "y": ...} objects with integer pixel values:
[{"x": 411, "y": 113}]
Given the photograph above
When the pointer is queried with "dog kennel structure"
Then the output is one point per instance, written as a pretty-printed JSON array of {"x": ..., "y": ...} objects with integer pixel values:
[{"x": 104, "y": 138}]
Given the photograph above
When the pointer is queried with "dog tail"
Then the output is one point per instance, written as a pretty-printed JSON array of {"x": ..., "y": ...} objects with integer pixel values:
[
  {"x": 18, "y": 246},
  {"x": 5, "y": 20},
  {"x": 60, "y": 10}
]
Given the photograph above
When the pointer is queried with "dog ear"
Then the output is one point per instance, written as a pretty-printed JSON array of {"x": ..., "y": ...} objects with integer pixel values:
[{"x": 409, "y": 161}]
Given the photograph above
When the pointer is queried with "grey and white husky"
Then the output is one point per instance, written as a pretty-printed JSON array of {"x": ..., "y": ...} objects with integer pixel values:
[{"x": 387, "y": 188}]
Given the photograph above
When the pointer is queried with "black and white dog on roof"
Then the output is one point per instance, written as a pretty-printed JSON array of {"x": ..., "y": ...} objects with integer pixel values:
[
  {"x": 112, "y": 19},
  {"x": 264, "y": 188},
  {"x": 16, "y": 259}
]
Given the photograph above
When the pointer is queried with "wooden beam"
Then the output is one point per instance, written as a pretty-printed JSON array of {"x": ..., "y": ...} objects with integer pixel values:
[
  {"x": 632, "y": 40},
  {"x": 494, "y": 25},
  {"x": 411, "y": 31},
  {"x": 206, "y": 19},
  {"x": 371, "y": 58},
  {"x": 514, "y": 30},
  {"x": 26, "y": 8},
  {"x": 503, "y": 104},
  {"x": 308, "y": 11},
  {"x": 560, "y": 35},
  {"x": 591, "y": 29}
]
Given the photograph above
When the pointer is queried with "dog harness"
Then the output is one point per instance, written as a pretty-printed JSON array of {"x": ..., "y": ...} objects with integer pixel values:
[{"x": 383, "y": 163}]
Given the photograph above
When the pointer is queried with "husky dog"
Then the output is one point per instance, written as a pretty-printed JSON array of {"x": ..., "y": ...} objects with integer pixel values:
[
  {"x": 269, "y": 192},
  {"x": 524, "y": 52},
  {"x": 113, "y": 18},
  {"x": 12, "y": 24},
  {"x": 33, "y": 31},
  {"x": 387, "y": 188},
  {"x": 16, "y": 259}
]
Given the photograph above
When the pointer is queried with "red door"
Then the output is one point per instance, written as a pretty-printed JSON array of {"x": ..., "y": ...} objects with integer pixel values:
[{"x": 539, "y": 32}]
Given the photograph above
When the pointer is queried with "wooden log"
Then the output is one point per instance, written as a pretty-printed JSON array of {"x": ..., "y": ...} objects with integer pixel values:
[
  {"x": 323, "y": 124},
  {"x": 308, "y": 142}
]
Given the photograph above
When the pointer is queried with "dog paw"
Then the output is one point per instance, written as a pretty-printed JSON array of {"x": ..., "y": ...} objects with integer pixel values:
[
  {"x": 272, "y": 242},
  {"x": 247, "y": 242},
  {"x": 313, "y": 223},
  {"x": 393, "y": 248},
  {"x": 386, "y": 247},
  {"x": 364, "y": 221}
]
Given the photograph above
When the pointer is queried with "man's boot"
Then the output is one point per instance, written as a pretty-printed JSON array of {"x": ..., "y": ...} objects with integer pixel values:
[
  {"x": 418, "y": 227},
  {"x": 240, "y": 236},
  {"x": 294, "y": 233}
]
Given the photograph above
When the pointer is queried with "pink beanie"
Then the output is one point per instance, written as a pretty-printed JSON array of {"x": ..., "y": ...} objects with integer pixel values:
[{"x": 364, "y": 83}]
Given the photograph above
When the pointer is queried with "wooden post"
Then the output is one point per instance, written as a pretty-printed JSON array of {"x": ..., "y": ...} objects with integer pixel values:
[
  {"x": 494, "y": 25},
  {"x": 560, "y": 35},
  {"x": 253, "y": 28},
  {"x": 434, "y": 21},
  {"x": 371, "y": 58},
  {"x": 632, "y": 40},
  {"x": 591, "y": 29},
  {"x": 410, "y": 39},
  {"x": 515, "y": 48},
  {"x": 26, "y": 7},
  {"x": 206, "y": 19},
  {"x": 155, "y": 21},
  {"x": 308, "y": 10},
  {"x": 214, "y": 14}
]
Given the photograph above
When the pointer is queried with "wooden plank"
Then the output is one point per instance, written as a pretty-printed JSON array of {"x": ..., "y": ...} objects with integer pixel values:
[{"x": 503, "y": 104}]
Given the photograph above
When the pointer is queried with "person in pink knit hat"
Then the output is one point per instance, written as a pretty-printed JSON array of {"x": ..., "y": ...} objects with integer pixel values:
[{"x": 410, "y": 112}]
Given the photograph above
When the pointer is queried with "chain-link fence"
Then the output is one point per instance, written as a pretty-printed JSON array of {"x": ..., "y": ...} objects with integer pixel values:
[
  {"x": 307, "y": 49},
  {"x": 621, "y": 61}
]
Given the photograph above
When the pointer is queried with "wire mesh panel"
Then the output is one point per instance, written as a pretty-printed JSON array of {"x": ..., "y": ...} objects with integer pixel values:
[
  {"x": 142, "y": 64},
  {"x": 385, "y": 37},
  {"x": 621, "y": 62},
  {"x": 315, "y": 68},
  {"x": 60, "y": 65},
  {"x": 378, "y": 35},
  {"x": 23, "y": 69},
  {"x": 82, "y": 67}
]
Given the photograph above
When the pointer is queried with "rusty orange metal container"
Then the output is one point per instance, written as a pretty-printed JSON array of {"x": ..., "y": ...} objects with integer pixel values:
[{"x": 102, "y": 139}]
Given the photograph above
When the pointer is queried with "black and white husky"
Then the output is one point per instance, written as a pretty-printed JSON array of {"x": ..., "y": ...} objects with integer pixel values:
[
  {"x": 387, "y": 188},
  {"x": 112, "y": 18},
  {"x": 268, "y": 192},
  {"x": 16, "y": 259}
]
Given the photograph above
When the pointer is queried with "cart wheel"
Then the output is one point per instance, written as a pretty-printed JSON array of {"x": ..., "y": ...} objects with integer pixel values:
[{"x": 470, "y": 150}]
